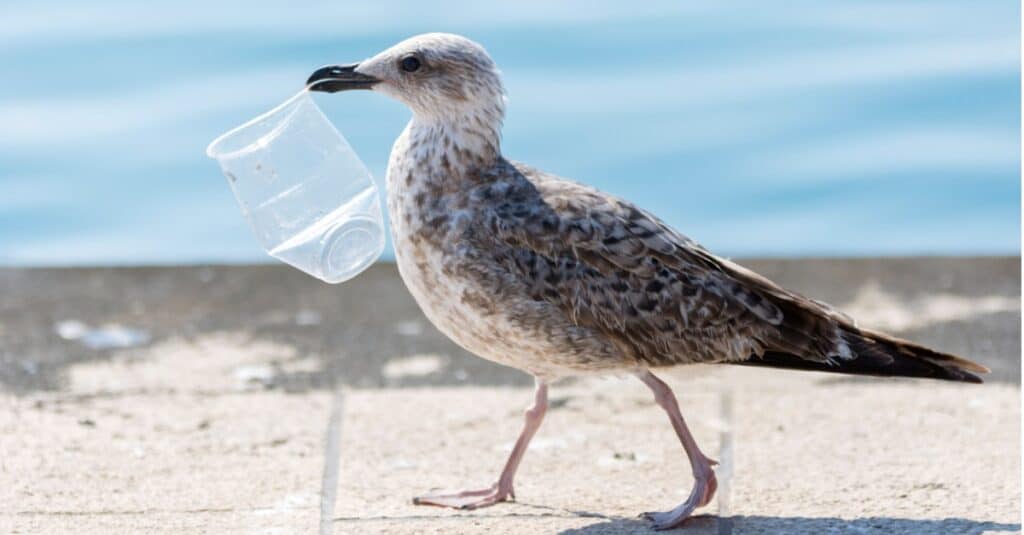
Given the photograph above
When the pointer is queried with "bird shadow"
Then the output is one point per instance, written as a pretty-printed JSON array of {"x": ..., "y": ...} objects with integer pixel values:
[{"x": 798, "y": 524}]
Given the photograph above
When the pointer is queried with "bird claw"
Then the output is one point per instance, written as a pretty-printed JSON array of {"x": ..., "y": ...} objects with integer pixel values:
[
  {"x": 663, "y": 520},
  {"x": 703, "y": 490},
  {"x": 468, "y": 499}
]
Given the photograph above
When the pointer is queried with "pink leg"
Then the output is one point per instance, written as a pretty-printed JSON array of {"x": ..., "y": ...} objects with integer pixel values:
[
  {"x": 703, "y": 475},
  {"x": 502, "y": 490}
]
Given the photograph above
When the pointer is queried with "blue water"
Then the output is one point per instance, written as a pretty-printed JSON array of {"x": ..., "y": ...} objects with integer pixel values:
[{"x": 809, "y": 128}]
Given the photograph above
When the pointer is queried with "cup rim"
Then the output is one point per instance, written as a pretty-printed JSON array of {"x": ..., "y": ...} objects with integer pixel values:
[{"x": 212, "y": 150}]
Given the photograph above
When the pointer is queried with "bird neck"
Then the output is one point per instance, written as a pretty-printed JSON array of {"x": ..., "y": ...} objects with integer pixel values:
[
  {"x": 433, "y": 159},
  {"x": 457, "y": 144}
]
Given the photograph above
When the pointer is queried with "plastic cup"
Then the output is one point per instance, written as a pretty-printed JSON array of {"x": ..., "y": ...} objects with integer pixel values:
[{"x": 306, "y": 194}]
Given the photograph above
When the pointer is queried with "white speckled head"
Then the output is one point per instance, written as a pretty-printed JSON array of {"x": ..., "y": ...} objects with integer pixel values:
[{"x": 435, "y": 74}]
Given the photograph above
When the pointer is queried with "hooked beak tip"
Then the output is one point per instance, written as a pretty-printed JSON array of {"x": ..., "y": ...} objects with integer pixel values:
[{"x": 334, "y": 78}]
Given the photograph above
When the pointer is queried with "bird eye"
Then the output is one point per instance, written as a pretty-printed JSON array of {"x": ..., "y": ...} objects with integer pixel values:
[{"x": 410, "y": 64}]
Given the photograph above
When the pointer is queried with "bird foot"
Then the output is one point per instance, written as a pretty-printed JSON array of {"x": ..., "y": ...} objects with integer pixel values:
[
  {"x": 703, "y": 490},
  {"x": 468, "y": 499}
]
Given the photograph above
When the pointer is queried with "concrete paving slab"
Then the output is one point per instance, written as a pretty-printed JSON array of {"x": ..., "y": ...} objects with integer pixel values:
[
  {"x": 808, "y": 455},
  {"x": 164, "y": 439},
  {"x": 349, "y": 332},
  {"x": 203, "y": 400}
]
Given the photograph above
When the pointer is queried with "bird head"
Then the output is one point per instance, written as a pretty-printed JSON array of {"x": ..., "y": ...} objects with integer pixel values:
[{"x": 435, "y": 74}]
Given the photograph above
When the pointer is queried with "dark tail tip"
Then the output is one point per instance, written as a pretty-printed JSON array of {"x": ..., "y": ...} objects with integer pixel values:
[
  {"x": 907, "y": 359},
  {"x": 878, "y": 364},
  {"x": 962, "y": 376}
]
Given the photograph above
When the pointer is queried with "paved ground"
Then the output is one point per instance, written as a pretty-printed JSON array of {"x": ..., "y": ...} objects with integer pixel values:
[{"x": 254, "y": 399}]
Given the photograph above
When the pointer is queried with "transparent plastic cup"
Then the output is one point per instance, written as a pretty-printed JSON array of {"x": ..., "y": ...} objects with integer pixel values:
[{"x": 307, "y": 196}]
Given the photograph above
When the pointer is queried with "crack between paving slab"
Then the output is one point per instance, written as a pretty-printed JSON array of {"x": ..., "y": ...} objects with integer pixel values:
[
  {"x": 332, "y": 458},
  {"x": 71, "y": 398},
  {"x": 725, "y": 457},
  {"x": 128, "y": 512},
  {"x": 469, "y": 516}
]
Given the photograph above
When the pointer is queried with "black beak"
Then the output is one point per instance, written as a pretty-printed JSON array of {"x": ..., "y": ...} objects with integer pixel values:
[{"x": 334, "y": 78}]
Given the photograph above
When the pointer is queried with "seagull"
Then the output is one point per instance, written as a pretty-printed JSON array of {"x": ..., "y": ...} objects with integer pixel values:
[{"x": 555, "y": 278}]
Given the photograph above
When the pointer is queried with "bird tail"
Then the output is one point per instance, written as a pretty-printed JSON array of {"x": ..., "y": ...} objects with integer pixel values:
[{"x": 878, "y": 354}]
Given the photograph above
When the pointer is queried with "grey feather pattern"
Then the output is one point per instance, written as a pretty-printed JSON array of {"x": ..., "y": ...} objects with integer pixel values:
[
  {"x": 622, "y": 272},
  {"x": 553, "y": 277}
]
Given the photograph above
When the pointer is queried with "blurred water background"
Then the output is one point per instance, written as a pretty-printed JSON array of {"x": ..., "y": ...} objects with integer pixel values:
[{"x": 803, "y": 128}]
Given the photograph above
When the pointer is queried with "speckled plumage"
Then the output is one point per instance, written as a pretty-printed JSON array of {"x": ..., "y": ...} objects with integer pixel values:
[{"x": 556, "y": 278}]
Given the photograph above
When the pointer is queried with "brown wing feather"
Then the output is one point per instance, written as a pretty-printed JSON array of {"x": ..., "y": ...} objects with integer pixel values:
[{"x": 657, "y": 294}]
